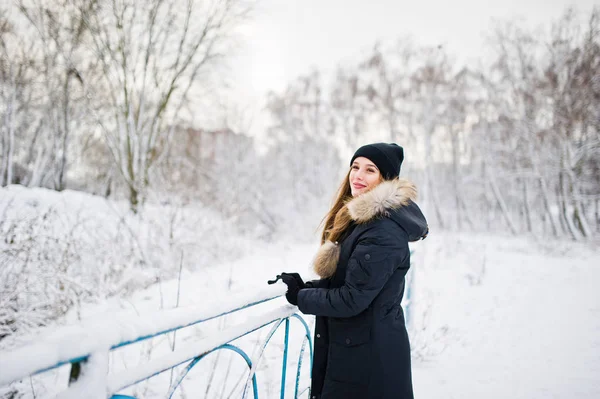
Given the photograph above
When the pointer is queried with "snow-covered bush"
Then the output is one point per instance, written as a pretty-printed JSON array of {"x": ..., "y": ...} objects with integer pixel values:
[{"x": 62, "y": 249}]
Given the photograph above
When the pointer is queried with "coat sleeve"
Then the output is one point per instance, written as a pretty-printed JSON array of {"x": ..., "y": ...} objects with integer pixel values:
[
  {"x": 322, "y": 283},
  {"x": 375, "y": 258}
]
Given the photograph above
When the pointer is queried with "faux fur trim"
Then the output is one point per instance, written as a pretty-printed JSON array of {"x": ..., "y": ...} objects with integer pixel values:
[
  {"x": 387, "y": 195},
  {"x": 326, "y": 259},
  {"x": 391, "y": 194}
]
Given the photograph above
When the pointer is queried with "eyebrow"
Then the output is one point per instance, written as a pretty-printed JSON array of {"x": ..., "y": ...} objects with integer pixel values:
[{"x": 369, "y": 164}]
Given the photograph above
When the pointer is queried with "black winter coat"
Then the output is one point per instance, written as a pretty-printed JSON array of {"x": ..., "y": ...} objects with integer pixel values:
[{"x": 361, "y": 344}]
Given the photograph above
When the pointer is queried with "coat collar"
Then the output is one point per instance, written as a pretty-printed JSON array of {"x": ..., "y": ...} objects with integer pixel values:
[
  {"x": 376, "y": 203},
  {"x": 388, "y": 195}
]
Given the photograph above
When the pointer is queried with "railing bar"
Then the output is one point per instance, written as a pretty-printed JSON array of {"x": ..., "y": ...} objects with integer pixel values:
[
  {"x": 182, "y": 375},
  {"x": 121, "y": 385},
  {"x": 129, "y": 342},
  {"x": 186, "y": 360},
  {"x": 285, "y": 356},
  {"x": 192, "y": 323},
  {"x": 260, "y": 354},
  {"x": 75, "y": 360},
  {"x": 299, "y": 370},
  {"x": 248, "y": 362},
  {"x": 308, "y": 335},
  {"x": 197, "y": 359}
]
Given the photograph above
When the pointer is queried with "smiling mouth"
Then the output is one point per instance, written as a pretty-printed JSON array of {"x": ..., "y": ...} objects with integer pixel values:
[{"x": 358, "y": 186}]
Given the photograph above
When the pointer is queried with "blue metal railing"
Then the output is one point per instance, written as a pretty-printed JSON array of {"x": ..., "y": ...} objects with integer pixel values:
[
  {"x": 179, "y": 380},
  {"x": 91, "y": 351},
  {"x": 89, "y": 358}
]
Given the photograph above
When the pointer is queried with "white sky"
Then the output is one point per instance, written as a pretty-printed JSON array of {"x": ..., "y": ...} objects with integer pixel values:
[{"x": 288, "y": 37}]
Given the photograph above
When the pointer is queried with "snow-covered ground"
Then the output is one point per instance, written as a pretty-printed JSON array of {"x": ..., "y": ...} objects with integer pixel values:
[
  {"x": 492, "y": 317},
  {"x": 507, "y": 318}
]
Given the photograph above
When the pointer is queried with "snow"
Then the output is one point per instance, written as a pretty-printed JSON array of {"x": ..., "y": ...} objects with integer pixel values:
[
  {"x": 507, "y": 317},
  {"x": 492, "y": 316},
  {"x": 64, "y": 249},
  {"x": 102, "y": 333}
]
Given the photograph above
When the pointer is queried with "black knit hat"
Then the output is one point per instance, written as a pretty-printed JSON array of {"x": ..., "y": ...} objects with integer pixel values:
[{"x": 387, "y": 157}]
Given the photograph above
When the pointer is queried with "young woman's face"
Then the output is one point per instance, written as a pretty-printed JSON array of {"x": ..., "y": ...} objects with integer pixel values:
[{"x": 364, "y": 175}]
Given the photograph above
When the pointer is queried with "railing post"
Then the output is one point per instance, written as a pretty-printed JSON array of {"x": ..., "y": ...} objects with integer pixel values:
[
  {"x": 307, "y": 339},
  {"x": 409, "y": 288},
  {"x": 75, "y": 372},
  {"x": 304, "y": 341},
  {"x": 88, "y": 377},
  {"x": 285, "y": 355}
]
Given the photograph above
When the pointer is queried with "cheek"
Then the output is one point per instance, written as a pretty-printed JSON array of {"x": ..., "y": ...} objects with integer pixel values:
[{"x": 373, "y": 180}]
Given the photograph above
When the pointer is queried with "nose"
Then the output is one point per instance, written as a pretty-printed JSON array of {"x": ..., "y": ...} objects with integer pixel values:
[{"x": 359, "y": 174}]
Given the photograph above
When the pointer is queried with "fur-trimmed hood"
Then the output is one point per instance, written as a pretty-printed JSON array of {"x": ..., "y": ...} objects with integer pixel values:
[{"x": 390, "y": 199}]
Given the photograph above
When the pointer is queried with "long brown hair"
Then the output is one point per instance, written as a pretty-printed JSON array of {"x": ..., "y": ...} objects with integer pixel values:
[{"x": 337, "y": 219}]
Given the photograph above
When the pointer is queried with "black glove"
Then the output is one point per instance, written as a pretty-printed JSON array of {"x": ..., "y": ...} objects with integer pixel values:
[
  {"x": 295, "y": 284},
  {"x": 301, "y": 283},
  {"x": 296, "y": 277}
]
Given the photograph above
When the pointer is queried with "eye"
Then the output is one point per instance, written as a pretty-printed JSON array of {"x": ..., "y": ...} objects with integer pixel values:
[
  {"x": 371, "y": 170},
  {"x": 355, "y": 167}
]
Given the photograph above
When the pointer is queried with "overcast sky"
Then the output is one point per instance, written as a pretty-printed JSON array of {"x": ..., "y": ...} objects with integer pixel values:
[{"x": 288, "y": 37}]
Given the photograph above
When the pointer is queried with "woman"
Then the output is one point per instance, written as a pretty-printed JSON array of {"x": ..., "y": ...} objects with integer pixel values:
[{"x": 361, "y": 344}]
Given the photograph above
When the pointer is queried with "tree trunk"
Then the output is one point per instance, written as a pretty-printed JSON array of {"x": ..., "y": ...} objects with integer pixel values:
[
  {"x": 41, "y": 162},
  {"x": 597, "y": 215},
  {"x": 430, "y": 197},
  {"x": 579, "y": 218},
  {"x": 436, "y": 205},
  {"x": 455, "y": 172},
  {"x": 503, "y": 207},
  {"x": 62, "y": 162},
  {"x": 134, "y": 198},
  {"x": 568, "y": 221},
  {"x": 526, "y": 207},
  {"x": 11, "y": 146},
  {"x": 466, "y": 213},
  {"x": 3, "y": 159},
  {"x": 8, "y": 163},
  {"x": 134, "y": 194},
  {"x": 489, "y": 200},
  {"x": 545, "y": 197}
]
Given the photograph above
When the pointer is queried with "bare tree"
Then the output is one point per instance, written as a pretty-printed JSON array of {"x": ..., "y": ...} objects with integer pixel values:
[
  {"x": 431, "y": 88},
  {"x": 153, "y": 54},
  {"x": 16, "y": 77},
  {"x": 545, "y": 107},
  {"x": 571, "y": 83},
  {"x": 57, "y": 35}
]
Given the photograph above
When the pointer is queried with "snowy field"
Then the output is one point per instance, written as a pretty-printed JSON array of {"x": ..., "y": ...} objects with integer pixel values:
[
  {"x": 492, "y": 317},
  {"x": 507, "y": 318}
]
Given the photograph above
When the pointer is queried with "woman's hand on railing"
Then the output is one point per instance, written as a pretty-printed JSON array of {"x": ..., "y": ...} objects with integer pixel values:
[
  {"x": 295, "y": 284},
  {"x": 296, "y": 276}
]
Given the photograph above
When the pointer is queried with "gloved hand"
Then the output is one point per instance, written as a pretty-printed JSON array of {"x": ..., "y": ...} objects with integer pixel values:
[
  {"x": 301, "y": 283},
  {"x": 295, "y": 284},
  {"x": 296, "y": 277}
]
